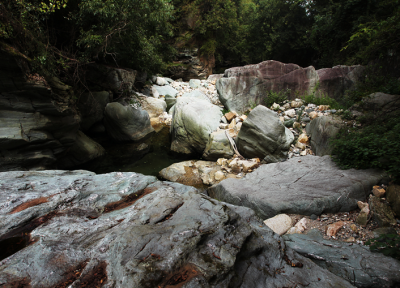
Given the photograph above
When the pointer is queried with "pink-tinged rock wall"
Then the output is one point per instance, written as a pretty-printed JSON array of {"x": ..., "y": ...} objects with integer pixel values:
[{"x": 242, "y": 87}]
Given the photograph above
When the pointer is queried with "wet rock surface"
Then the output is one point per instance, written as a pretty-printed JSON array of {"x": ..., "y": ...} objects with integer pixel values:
[
  {"x": 352, "y": 262},
  {"x": 130, "y": 230},
  {"x": 311, "y": 185}
]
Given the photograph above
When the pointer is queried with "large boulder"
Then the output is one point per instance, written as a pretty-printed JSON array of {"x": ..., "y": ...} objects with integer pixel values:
[
  {"x": 78, "y": 229},
  {"x": 193, "y": 173},
  {"x": 91, "y": 106},
  {"x": 126, "y": 123},
  {"x": 242, "y": 87},
  {"x": 193, "y": 121},
  {"x": 197, "y": 94},
  {"x": 311, "y": 185},
  {"x": 166, "y": 90},
  {"x": 218, "y": 146},
  {"x": 84, "y": 150},
  {"x": 155, "y": 107},
  {"x": 38, "y": 118},
  {"x": 264, "y": 136},
  {"x": 350, "y": 261},
  {"x": 322, "y": 130},
  {"x": 118, "y": 80}
]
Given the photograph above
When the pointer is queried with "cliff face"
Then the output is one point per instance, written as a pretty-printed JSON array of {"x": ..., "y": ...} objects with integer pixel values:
[{"x": 38, "y": 122}]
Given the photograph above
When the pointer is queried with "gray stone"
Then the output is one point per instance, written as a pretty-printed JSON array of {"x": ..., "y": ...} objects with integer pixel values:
[
  {"x": 194, "y": 83},
  {"x": 264, "y": 136},
  {"x": 352, "y": 262},
  {"x": 166, "y": 90},
  {"x": 91, "y": 105},
  {"x": 192, "y": 122},
  {"x": 153, "y": 106},
  {"x": 170, "y": 101},
  {"x": 215, "y": 77},
  {"x": 218, "y": 146},
  {"x": 306, "y": 119},
  {"x": 312, "y": 185},
  {"x": 130, "y": 230},
  {"x": 84, "y": 150},
  {"x": 380, "y": 102},
  {"x": 289, "y": 123},
  {"x": 321, "y": 130},
  {"x": 160, "y": 81},
  {"x": 197, "y": 94},
  {"x": 125, "y": 123}
]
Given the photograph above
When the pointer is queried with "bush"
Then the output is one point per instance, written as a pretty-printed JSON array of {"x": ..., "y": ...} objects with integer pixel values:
[
  {"x": 373, "y": 146},
  {"x": 388, "y": 244},
  {"x": 323, "y": 100},
  {"x": 276, "y": 97}
]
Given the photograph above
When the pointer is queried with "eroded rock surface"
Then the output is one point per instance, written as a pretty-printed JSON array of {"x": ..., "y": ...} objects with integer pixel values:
[
  {"x": 130, "y": 230},
  {"x": 312, "y": 185},
  {"x": 243, "y": 86},
  {"x": 352, "y": 262}
]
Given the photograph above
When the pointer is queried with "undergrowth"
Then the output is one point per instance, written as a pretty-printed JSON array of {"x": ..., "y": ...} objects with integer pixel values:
[
  {"x": 276, "y": 97},
  {"x": 387, "y": 244}
]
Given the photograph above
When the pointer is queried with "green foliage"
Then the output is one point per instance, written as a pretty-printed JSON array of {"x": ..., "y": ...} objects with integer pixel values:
[
  {"x": 388, "y": 244},
  {"x": 321, "y": 100},
  {"x": 276, "y": 97},
  {"x": 373, "y": 146}
]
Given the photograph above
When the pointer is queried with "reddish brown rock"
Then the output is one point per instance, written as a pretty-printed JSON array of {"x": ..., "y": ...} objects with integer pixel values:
[
  {"x": 334, "y": 228},
  {"x": 378, "y": 191}
]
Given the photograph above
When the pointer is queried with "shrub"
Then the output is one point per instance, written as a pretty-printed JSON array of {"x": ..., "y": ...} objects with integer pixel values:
[
  {"x": 323, "y": 100},
  {"x": 373, "y": 146},
  {"x": 276, "y": 97},
  {"x": 388, "y": 244}
]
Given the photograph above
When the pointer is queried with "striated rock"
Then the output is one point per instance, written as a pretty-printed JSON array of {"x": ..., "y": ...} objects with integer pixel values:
[
  {"x": 263, "y": 136},
  {"x": 38, "y": 118},
  {"x": 279, "y": 224},
  {"x": 241, "y": 86},
  {"x": 130, "y": 230},
  {"x": 312, "y": 186},
  {"x": 189, "y": 65},
  {"x": 350, "y": 261},
  {"x": 192, "y": 123},
  {"x": 218, "y": 146},
  {"x": 125, "y": 123},
  {"x": 166, "y": 90},
  {"x": 321, "y": 130},
  {"x": 215, "y": 77}
]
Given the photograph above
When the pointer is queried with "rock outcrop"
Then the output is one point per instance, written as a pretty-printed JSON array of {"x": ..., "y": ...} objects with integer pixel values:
[
  {"x": 38, "y": 121},
  {"x": 242, "y": 87},
  {"x": 352, "y": 262},
  {"x": 312, "y": 185},
  {"x": 263, "y": 136},
  {"x": 129, "y": 230},
  {"x": 193, "y": 121},
  {"x": 126, "y": 123}
]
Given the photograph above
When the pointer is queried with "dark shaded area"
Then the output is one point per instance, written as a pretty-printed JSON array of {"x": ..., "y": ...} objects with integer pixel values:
[
  {"x": 72, "y": 274},
  {"x": 127, "y": 200},
  {"x": 12, "y": 245},
  {"x": 170, "y": 214}
]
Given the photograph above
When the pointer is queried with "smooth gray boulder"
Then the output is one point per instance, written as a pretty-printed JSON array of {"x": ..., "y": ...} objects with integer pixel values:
[
  {"x": 306, "y": 185},
  {"x": 264, "y": 136},
  {"x": 166, "y": 90},
  {"x": 353, "y": 262},
  {"x": 153, "y": 106},
  {"x": 218, "y": 146},
  {"x": 83, "y": 150},
  {"x": 125, "y": 123},
  {"x": 194, "y": 83},
  {"x": 193, "y": 121},
  {"x": 91, "y": 106},
  {"x": 197, "y": 94},
  {"x": 130, "y": 230},
  {"x": 322, "y": 130}
]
